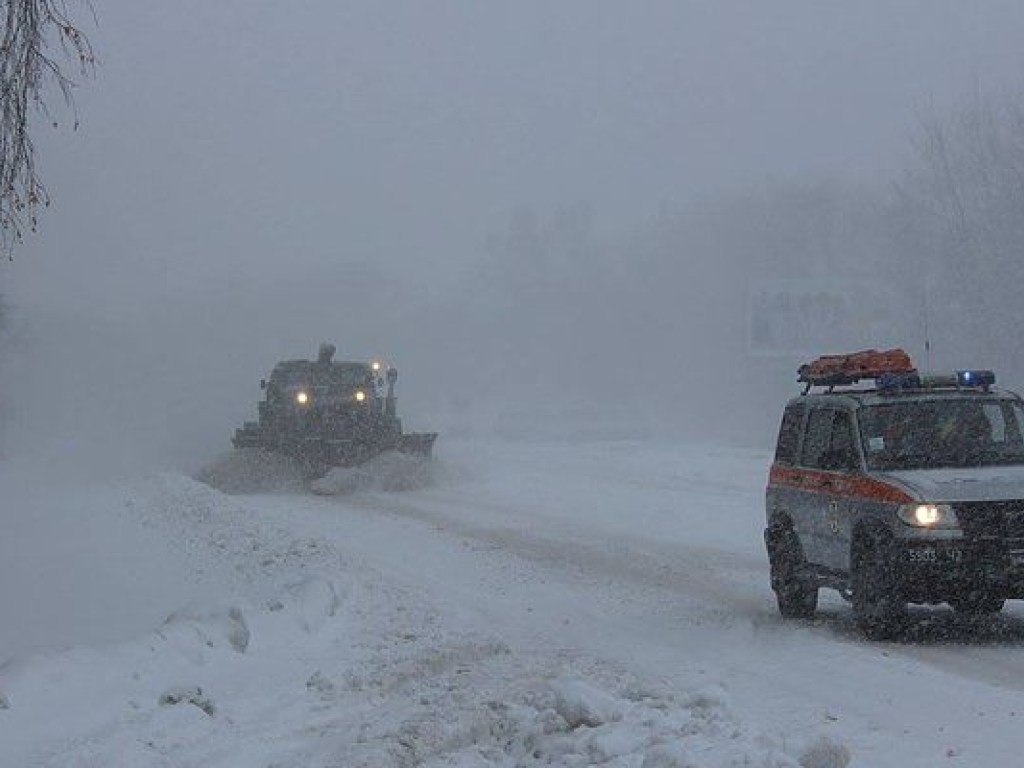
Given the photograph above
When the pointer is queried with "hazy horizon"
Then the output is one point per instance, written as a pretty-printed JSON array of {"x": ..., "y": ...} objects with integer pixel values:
[{"x": 249, "y": 179}]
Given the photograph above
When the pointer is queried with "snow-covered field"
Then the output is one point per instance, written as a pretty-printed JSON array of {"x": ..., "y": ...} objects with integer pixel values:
[{"x": 519, "y": 604}]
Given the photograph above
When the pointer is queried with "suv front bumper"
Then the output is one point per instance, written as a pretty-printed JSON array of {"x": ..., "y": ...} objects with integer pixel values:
[{"x": 934, "y": 571}]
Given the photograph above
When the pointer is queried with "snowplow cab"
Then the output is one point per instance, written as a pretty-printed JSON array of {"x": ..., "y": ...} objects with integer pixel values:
[{"x": 330, "y": 413}]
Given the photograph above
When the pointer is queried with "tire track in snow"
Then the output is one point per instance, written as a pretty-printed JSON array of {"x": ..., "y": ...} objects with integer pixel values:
[
  {"x": 721, "y": 583},
  {"x": 700, "y": 575}
]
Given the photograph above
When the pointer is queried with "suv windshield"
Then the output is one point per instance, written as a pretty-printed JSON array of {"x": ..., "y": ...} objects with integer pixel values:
[
  {"x": 339, "y": 378},
  {"x": 947, "y": 432}
]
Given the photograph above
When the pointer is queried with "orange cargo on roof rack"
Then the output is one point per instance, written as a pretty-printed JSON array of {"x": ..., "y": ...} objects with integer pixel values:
[{"x": 837, "y": 370}]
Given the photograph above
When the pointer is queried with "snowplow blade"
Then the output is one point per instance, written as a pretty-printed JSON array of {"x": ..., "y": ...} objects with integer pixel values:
[
  {"x": 249, "y": 436},
  {"x": 417, "y": 443}
]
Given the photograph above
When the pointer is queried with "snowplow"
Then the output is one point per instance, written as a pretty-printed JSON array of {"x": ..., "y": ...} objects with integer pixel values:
[{"x": 327, "y": 413}]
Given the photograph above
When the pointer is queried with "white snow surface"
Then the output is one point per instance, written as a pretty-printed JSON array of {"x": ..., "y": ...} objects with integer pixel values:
[{"x": 533, "y": 604}]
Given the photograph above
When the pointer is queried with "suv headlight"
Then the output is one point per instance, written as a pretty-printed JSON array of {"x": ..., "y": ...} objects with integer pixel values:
[{"x": 928, "y": 515}]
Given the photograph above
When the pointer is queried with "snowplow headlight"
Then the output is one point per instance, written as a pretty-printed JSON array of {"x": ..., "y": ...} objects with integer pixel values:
[
  {"x": 376, "y": 365},
  {"x": 302, "y": 398},
  {"x": 928, "y": 515},
  {"x": 360, "y": 396}
]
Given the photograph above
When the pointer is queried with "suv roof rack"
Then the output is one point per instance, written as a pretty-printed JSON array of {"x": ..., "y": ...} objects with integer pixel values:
[
  {"x": 845, "y": 370},
  {"x": 891, "y": 370}
]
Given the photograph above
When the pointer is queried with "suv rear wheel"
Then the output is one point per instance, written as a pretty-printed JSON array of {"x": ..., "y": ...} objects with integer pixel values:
[
  {"x": 878, "y": 606},
  {"x": 797, "y": 597}
]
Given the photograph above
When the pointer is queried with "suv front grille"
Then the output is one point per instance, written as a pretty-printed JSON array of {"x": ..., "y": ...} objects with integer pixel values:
[{"x": 993, "y": 521}]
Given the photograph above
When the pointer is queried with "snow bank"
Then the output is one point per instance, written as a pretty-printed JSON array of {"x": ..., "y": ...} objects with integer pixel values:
[
  {"x": 528, "y": 726},
  {"x": 205, "y": 682},
  {"x": 87, "y": 563},
  {"x": 300, "y": 653},
  {"x": 305, "y": 656}
]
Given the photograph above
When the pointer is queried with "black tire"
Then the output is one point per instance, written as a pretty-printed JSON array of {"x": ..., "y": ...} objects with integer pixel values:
[
  {"x": 797, "y": 597},
  {"x": 878, "y": 604},
  {"x": 977, "y": 604}
]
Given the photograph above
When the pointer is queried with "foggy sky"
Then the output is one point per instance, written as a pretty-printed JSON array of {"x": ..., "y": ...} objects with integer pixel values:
[
  {"x": 221, "y": 140},
  {"x": 236, "y": 157}
]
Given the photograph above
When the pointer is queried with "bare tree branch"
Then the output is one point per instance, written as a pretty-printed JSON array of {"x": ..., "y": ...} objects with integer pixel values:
[
  {"x": 39, "y": 46},
  {"x": 965, "y": 191}
]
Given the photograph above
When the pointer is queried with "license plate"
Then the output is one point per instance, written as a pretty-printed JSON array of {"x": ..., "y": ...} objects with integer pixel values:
[{"x": 931, "y": 555}]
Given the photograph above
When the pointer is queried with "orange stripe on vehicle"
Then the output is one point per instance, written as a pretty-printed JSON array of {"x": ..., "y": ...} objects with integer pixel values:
[{"x": 836, "y": 484}]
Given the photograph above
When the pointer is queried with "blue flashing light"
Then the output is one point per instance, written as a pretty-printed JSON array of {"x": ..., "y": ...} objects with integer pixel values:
[
  {"x": 974, "y": 378},
  {"x": 891, "y": 382}
]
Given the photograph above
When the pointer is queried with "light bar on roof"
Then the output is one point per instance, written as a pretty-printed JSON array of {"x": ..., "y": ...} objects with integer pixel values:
[
  {"x": 890, "y": 382},
  {"x": 975, "y": 378},
  {"x": 965, "y": 379}
]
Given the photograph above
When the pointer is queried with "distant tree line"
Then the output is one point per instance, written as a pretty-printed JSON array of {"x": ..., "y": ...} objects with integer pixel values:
[
  {"x": 964, "y": 193},
  {"x": 639, "y": 319}
]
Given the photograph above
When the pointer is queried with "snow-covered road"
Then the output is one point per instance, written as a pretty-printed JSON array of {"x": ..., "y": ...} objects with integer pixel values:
[{"x": 472, "y": 621}]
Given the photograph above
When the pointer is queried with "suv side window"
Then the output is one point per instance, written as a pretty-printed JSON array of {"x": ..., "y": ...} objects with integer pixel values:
[
  {"x": 996, "y": 420},
  {"x": 789, "y": 434},
  {"x": 829, "y": 441},
  {"x": 842, "y": 452},
  {"x": 818, "y": 436}
]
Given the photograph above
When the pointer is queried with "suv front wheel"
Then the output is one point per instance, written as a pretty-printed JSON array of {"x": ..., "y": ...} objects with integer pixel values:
[
  {"x": 977, "y": 604},
  {"x": 797, "y": 597},
  {"x": 878, "y": 606}
]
